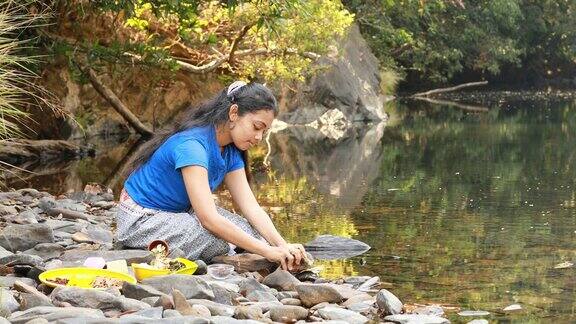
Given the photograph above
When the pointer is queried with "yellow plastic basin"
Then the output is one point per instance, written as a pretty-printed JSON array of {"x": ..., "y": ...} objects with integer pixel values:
[
  {"x": 142, "y": 272},
  {"x": 81, "y": 277}
]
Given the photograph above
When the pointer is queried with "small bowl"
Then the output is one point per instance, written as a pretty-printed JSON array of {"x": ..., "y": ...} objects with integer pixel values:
[{"x": 220, "y": 270}]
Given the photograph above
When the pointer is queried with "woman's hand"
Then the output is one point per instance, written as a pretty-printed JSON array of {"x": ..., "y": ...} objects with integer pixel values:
[
  {"x": 298, "y": 251},
  {"x": 282, "y": 255}
]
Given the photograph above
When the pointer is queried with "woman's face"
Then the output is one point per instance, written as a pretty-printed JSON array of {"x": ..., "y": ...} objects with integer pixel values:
[{"x": 250, "y": 128}]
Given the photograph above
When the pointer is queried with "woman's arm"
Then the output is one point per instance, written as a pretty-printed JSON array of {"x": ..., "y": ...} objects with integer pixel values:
[
  {"x": 242, "y": 195},
  {"x": 196, "y": 181}
]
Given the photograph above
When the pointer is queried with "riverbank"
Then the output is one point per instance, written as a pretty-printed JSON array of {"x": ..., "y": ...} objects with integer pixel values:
[{"x": 42, "y": 232}]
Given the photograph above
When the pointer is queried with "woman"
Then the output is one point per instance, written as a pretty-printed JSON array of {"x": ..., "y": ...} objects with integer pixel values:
[{"x": 182, "y": 168}]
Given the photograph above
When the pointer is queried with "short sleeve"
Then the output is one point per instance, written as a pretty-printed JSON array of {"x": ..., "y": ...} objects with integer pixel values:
[
  {"x": 190, "y": 152},
  {"x": 236, "y": 162}
]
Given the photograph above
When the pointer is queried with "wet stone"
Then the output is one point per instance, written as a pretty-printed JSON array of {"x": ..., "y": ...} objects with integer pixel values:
[{"x": 416, "y": 319}]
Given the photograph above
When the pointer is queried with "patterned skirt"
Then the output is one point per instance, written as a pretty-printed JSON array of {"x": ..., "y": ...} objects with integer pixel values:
[{"x": 136, "y": 226}]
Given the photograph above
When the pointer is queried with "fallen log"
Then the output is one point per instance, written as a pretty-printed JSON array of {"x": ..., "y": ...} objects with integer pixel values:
[
  {"x": 450, "y": 89},
  {"x": 18, "y": 151}
]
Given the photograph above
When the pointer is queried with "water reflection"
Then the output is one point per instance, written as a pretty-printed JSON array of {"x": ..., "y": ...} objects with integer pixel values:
[{"x": 466, "y": 208}]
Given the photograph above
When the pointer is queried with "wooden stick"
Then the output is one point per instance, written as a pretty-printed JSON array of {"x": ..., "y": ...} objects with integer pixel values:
[
  {"x": 117, "y": 104},
  {"x": 442, "y": 90}
]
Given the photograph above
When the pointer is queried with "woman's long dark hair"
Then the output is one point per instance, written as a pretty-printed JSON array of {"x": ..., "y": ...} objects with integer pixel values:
[{"x": 250, "y": 98}]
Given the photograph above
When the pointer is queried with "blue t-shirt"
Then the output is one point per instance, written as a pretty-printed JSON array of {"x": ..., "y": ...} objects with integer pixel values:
[{"x": 159, "y": 184}]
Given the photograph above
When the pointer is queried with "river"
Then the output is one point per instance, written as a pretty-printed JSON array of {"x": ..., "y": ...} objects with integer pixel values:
[{"x": 464, "y": 207}]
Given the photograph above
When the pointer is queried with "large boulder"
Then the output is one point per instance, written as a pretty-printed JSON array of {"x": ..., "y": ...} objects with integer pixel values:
[{"x": 348, "y": 81}]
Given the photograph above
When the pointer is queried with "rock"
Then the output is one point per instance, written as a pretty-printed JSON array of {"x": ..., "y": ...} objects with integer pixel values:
[
  {"x": 54, "y": 314},
  {"x": 182, "y": 306},
  {"x": 150, "y": 301},
  {"x": 287, "y": 294},
  {"x": 91, "y": 298},
  {"x": 479, "y": 321},
  {"x": 46, "y": 251},
  {"x": 190, "y": 286},
  {"x": 249, "y": 312},
  {"x": 291, "y": 301},
  {"x": 467, "y": 313},
  {"x": 334, "y": 247},
  {"x": 230, "y": 320},
  {"x": 336, "y": 313},
  {"x": 345, "y": 290},
  {"x": 223, "y": 295},
  {"x": 264, "y": 306},
  {"x": 25, "y": 217},
  {"x": 281, "y": 280},
  {"x": 215, "y": 308},
  {"x": 358, "y": 299},
  {"x": 388, "y": 303},
  {"x": 261, "y": 296},
  {"x": 165, "y": 302},
  {"x": 416, "y": 319},
  {"x": 312, "y": 294},
  {"x": 287, "y": 314},
  {"x": 39, "y": 298},
  {"x": 169, "y": 313},
  {"x": 249, "y": 285},
  {"x": 131, "y": 256},
  {"x": 202, "y": 267},
  {"x": 321, "y": 305},
  {"x": 8, "y": 282},
  {"x": 4, "y": 252},
  {"x": 139, "y": 291},
  {"x": 28, "y": 301},
  {"x": 22, "y": 259},
  {"x": 512, "y": 308},
  {"x": 23, "y": 237},
  {"x": 8, "y": 302},
  {"x": 104, "y": 204},
  {"x": 64, "y": 226},
  {"x": 246, "y": 262},
  {"x": 429, "y": 310},
  {"x": 8, "y": 210},
  {"x": 356, "y": 280}
]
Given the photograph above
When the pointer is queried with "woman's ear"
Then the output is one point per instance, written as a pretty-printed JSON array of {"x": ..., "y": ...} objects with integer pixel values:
[{"x": 233, "y": 113}]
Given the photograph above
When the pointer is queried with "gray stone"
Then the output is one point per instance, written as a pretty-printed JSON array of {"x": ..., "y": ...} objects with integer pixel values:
[
  {"x": 261, "y": 296},
  {"x": 215, "y": 308},
  {"x": 388, "y": 303},
  {"x": 92, "y": 298},
  {"x": 64, "y": 226},
  {"x": 131, "y": 256},
  {"x": 249, "y": 285},
  {"x": 265, "y": 306},
  {"x": 22, "y": 259},
  {"x": 479, "y": 321},
  {"x": 190, "y": 286},
  {"x": 287, "y": 294},
  {"x": 70, "y": 205},
  {"x": 223, "y": 295},
  {"x": 8, "y": 210},
  {"x": 139, "y": 291},
  {"x": 104, "y": 204},
  {"x": 8, "y": 302},
  {"x": 249, "y": 313},
  {"x": 47, "y": 203},
  {"x": 46, "y": 251},
  {"x": 291, "y": 301},
  {"x": 149, "y": 300},
  {"x": 23, "y": 237},
  {"x": 336, "y": 313},
  {"x": 99, "y": 234},
  {"x": 416, "y": 319},
  {"x": 360, "y": 307},
  {"x": 54, "y": 314},
  {"x": 169, "y": 313},
  {"x": 202, "y": 267},
  {"x": 29, "y": 300},
  {"x": 281, "y": 280},
  {"x": 429, "y": 310},
  {"x": 25, "y": 217},
  {"x": 329, "y": 247},
  {"x": 4, "y": 252},
  {"x": 512, "y": 308},
  {"x": 38, "y": 320},
  {"x": 153, "y": 313},
  {"x": 230, "y": 320},
  {"x": 356, "y": 280},
  {"x": 467, "y": 313},
  {"x": 8, "y": 281},
  {"x": 286, "y": 314},
  {"x": 312, "y": 294},
  {"x": 357, "y": 299}
]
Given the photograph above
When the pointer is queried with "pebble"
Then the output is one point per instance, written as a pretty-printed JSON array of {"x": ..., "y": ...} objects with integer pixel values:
[
  {"x": 388, "y": 303},
  {"x": 281, "y": 279},
  {"x": 312, "y": 294},
  {"x": 291, "y": 301},
  {"x": 336, "y": 313}
]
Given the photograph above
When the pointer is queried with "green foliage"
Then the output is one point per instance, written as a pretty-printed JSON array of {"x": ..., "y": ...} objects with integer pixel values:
[{"x": 436, "y": 40}]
